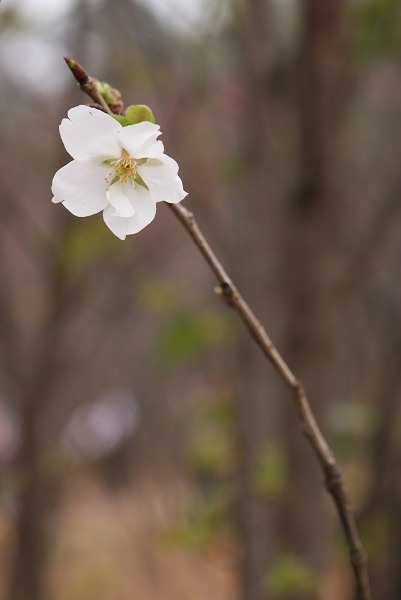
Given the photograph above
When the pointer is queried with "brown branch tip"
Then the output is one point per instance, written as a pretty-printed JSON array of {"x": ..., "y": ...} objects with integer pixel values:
[
  {"x": 77, "y": 70},
  {"x": 107, "y": 98}
]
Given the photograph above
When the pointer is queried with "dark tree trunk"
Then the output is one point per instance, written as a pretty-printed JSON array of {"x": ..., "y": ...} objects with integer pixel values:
[
  {"x": 310, "y": 254},
  {"x": 259, "y": 409},
  {"x": 36, "y": 504},
  {"x": 39, "y": 482}
]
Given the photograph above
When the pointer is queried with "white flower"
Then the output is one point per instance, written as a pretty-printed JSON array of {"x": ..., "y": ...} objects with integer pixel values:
[{"x": 121, "y": 171}]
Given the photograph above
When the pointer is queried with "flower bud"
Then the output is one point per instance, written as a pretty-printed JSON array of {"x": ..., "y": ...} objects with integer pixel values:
[{"x": 111, "y": 95}]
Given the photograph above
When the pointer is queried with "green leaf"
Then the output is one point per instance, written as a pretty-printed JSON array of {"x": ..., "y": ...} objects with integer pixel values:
[{"x": 137, "y": 113}]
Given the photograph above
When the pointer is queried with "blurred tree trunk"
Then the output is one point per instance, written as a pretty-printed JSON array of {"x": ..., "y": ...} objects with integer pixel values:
[
  {"x": 307, "y": 239},
  {"x": 380, "y": 515},
  {"x": 258, "y": 409},
  {"x": 39, "y": 480},
  {"x": 39, "y": 485},
  {"x": 36, "y": 502},
  {"x": 309, "y": 270}
]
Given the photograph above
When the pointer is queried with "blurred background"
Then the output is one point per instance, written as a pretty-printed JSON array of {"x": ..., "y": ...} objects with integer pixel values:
[{"x": 147, "y": 450}]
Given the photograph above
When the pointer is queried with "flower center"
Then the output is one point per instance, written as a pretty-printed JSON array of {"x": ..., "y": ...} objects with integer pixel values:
[{"x": 122, "y": 169}]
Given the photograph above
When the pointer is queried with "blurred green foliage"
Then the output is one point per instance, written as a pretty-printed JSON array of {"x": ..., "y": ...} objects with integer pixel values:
[
  {"x": 270, "y": 475},
  {"x": 204, "y": 519},
  {"x": 352, "y": 424},
  {"x": 159, "y": 296},
  {"x": 212, "y": 456},
  {"x": 212, "y": 449},
  {"x": 378, "y": 31},
  {"x": 375, "y": 532},
  {"x": 290, "y": 576},
  {"x": 188, "y": 335},
  {"x": 86, "y": 241}
]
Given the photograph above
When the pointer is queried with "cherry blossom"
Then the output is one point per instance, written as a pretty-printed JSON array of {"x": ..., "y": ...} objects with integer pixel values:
[{"x": 121, "y": 171}]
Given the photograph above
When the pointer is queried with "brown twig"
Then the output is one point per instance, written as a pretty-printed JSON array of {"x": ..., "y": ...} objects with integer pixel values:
[
  {"x": 87, "y": 83},
  {"x": 333, "y": 477}
]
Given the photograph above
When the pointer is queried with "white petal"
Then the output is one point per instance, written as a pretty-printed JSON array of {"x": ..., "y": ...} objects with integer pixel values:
[
  {"x": 160, "y": 175},
  {"x": 118, "y": 196},
  {"x": 118, "y": 225},
  {"x": 89, "y": 133},
  {"x": 140, "y": 140},
  {"x": 145, "y": 210},
  {"x": 81, "y": 186}
]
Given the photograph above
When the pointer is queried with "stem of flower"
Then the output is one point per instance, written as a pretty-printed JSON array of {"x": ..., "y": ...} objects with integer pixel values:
[{"x": 333, "y": 477}]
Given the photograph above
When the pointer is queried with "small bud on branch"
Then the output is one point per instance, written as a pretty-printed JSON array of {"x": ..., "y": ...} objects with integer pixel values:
[
  {"x": 87, "y": 84},
  {"x": 225, "y": 293},
  {"x": 79, "y": 72}
]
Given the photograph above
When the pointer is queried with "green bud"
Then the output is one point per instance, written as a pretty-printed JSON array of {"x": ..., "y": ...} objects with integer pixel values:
[
  {"x": 137, "y": 113},
  {"x": 122, "y": 120}
]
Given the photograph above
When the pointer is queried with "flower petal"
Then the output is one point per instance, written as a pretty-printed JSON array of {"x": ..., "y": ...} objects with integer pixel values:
[
  {"x": 118, "y": 196},
  {"x": 161, "y": 177},
  {"x": 90, "y": 134},
  {"x": 145, "y": 210},
  {"x": 140, "y": 140},
  {"x": 81, "y": 187}
]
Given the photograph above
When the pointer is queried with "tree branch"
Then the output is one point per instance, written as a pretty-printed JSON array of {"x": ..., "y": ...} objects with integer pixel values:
[
  {"x": 334, "y": 481},
  {"x": 87, "y": 84},
  {"x": 227, "y": 291}
]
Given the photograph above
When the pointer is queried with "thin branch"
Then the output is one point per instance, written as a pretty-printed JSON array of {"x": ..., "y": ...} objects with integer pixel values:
[
  {"x": 87, "y": 83},
  {"x": 227, "y": 291},
  {"x": 333, "y": 477}
]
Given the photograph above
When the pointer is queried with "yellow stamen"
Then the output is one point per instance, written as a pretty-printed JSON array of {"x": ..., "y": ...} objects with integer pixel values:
[{"x": 123, "y": 168}]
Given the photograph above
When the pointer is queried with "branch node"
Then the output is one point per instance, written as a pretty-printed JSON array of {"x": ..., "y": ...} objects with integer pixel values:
[
  {"x": 225, "y": 292},
  {"x": 334, "y": 479},
  {"x": 306, "y": 430},
  {"x": 358, "y": 556}
]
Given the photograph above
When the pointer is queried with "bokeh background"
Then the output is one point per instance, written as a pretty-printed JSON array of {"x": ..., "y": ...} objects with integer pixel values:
[{"x": 147, "y": 450}]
